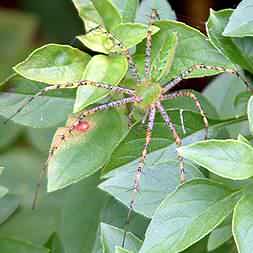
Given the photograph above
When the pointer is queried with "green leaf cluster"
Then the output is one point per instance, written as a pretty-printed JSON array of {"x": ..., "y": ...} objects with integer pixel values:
[{"x": 211, "y": 212}]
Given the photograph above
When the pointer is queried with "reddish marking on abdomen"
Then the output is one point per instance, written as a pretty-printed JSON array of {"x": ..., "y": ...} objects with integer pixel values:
[{"x": 82, "y": 126}]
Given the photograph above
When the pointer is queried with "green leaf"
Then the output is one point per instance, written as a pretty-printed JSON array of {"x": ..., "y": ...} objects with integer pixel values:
[
  {"x": 3, "y": 191},
  {"x": 121, "y": 250},
  {"x": 187, "y": 105},
  {"x": 226, "y": 101},
  {"x": 243, "y": 224},
  {"x": 108, "y": 12},
  {"x": 199, "y": 50},
  {"x": 42, "y": 112},
  {"x": 127, "y": 9},
  {"x": 162, "y": 62},
  {"x": 162, "y": 6},
  {"x": 54, "y": 244},
  {"x": 223, "y": 98},
  {"x": 228, "y": 247},
  {"x": 67, "y": 165},
  {"x": 199, "y": 247},
  {"x": 131, "y": 34},
  {"x": 115, "y": 214},
  {"x": 227, "y": 158},
  {"x": 242, "y": 98},
  {"x": 250, "y": 113},
  {"x": 161, "y": 176},
  {"x": 238, "y": 50},
  {"x": 87, "y": 13},
  {"x": 85, "y": 221},
  {"x": 187, "y": 215},
  {"x": 20, "y": 178},
  {"x": 9, "y": 203},
  {"x": 219, "y": 236},
  {"x": 241, "y": 21},
  {"x": 131, "y": 147},
  {"x": 97, "y": 41},
  {"x": 40, "y": 138},
  {"x": 241, "y": 138},
  {"x": 97, "y": 247},
  {"x": 161, "y": 166},
  {"x": 14, "y": 246},
  {"x": 54, "y": 64},
  {"x": 8, "y": 132},
  {"x": 101, "y": 68},
  {"x": 112, "y": 237},
  {"x": 17, "y": 30}
]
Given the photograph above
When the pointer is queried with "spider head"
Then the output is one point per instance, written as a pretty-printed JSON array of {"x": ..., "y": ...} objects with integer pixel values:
[{"x": 149, "y": 92}]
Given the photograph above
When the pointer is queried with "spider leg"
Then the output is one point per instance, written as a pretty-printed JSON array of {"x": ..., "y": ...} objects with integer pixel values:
[
  {"x": 132, "y": 65},
  {"x": 38, "y": 185},
  {"x": 99, "y": 108},
  {"x": 154, "y": 15},
  {"x": 190, "y": 94},
  {"x": 64, "y": 135},
  {"x": 125, "y": 51},
  {"x": 98, "y": 27},
  {"x": 176, "y": 137},
  {"x": 127, "y": 54},
  {"x": 139, "y": 171},
  {"x": 102, "y": 85},
  {"x": 116, "y": 89},
  {"x": 184, "y": 74}
]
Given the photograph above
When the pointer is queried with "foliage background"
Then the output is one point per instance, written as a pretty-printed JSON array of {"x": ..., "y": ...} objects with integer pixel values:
[{"x": 22, "y": 149}]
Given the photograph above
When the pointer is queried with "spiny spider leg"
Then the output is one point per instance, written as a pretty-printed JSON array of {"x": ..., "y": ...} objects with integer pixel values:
[
  {"x": 38, "y": 185},
  {"x": 95, "y": 28},
  {"x": 154, "y": 15},
  {"x": 99, "y": 108},
  {"x": 125, "y": 51},
  {"x": 184, "y": 74},
  {"x": 132, "y": 65},
  {"x": 42, "y": 173},
  {"x": 71, "y": 128},
  {"x": 102, "y": 85},
  {"x": 190, "y": 94},
  {"x": 176, "y": 137},
  {"x": 139, "y": 171}
]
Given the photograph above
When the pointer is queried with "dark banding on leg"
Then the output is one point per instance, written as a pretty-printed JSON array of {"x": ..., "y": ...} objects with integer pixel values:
[
  {"x": 184, "y": 74},
  {"x": 178, "y": 141},
  {"x": 102, "y": 85},
  {"x": 140, "y": 166},
  {"x": 154, "y": 15},
  {"x": 190, "y": 94}
]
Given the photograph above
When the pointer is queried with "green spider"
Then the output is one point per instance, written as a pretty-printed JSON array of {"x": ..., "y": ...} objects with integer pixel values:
[{"x": 147, "y": 97}]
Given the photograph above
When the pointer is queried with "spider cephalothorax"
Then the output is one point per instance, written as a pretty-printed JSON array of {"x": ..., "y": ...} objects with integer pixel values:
[
  {"x": 147, "y": 97},
  {"x": 149, "y": 92}
]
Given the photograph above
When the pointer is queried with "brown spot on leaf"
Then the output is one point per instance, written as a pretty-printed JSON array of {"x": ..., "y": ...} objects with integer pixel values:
[
  {"x": 63, "y": 134},
  {"x": 82, "y": 126}
]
